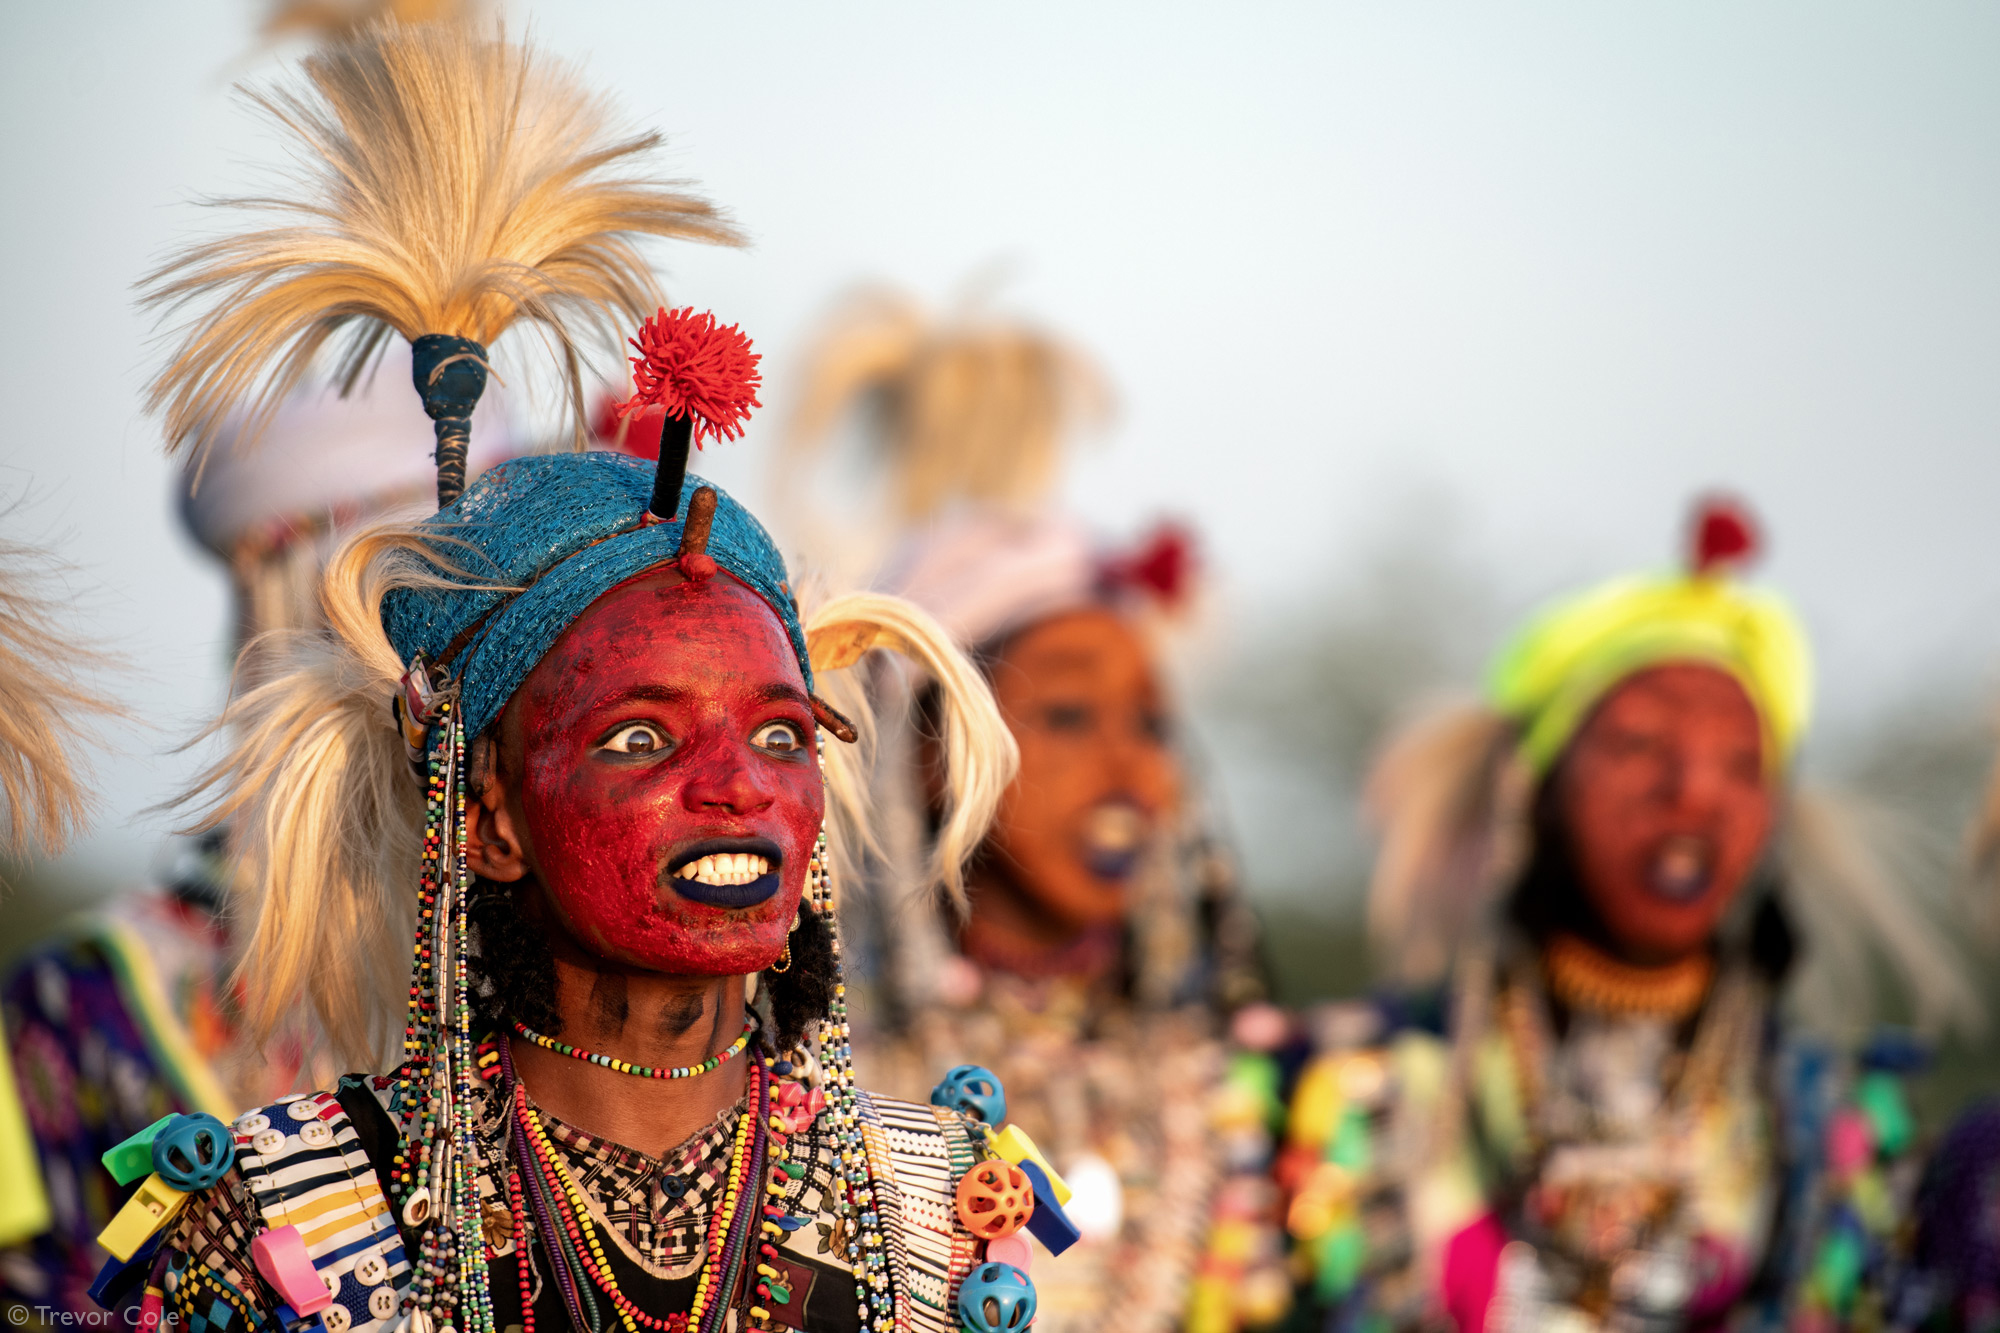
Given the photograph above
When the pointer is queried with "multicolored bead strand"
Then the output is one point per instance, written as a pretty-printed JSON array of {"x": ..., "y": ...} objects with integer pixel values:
[
  {"x": 434, "y": 1175},
  {"x": 715, "y": 1061},
  {"x": 866, "y": 1249}
]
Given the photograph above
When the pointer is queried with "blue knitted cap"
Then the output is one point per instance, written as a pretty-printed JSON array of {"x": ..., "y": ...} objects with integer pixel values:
[{"x": 533, "y": 521}]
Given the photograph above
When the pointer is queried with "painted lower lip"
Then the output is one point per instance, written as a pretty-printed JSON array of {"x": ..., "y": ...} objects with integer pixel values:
[
  {"x": 1111, "y": 865},
  {"x": 761, "y": 889},
  {"x": 1680, "y": 894}
]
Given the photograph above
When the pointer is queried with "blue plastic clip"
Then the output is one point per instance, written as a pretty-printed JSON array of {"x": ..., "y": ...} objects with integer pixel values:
[{"x": 1048, "y": 1224}]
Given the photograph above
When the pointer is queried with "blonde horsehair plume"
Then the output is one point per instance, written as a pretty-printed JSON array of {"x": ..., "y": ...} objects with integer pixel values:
[
  {"x": 342, "y": 20},
  {"x": 971, "y": 408},
  {"x": 1450, "y": 806},
  {"x": 978, "y": 751},
  {"x": 444, "y": 183},
  {"x": 1840, "y": 864},
  {"x": 1982, "y": 859},
  {"x": 45, "y": 710},
  {"x": 316, "y": 787}
]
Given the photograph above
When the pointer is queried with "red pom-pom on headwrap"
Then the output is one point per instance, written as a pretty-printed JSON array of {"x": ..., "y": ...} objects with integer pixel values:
[
  {"x": 690, "y": 367},
  {"x": 1725, "y": 535},
  {"x": 1162, "y": 565}
]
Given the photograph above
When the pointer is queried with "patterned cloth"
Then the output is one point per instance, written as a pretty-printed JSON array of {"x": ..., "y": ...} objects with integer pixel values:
[
  {"x": 1119, "y": 1100},
  {"x": 654, "y": 1214},
  {"x": 118, "y": 1019},
  {"x": 1552, "y": 1169}
]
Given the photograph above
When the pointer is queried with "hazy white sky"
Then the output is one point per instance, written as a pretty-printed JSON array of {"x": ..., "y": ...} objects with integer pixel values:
[{"x": 1567, "y": 262}]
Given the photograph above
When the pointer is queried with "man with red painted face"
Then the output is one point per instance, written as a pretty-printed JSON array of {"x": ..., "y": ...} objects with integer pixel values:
[
  {"x": 1639, "y": 918},
  {"x": 1102, "y": 940},
  {"x": 540, "y": 827}
]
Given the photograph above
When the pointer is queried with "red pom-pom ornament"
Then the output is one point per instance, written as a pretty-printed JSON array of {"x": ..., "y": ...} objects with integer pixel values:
[
  {"x": 694, "y": 369},
  {"x": 1162, "y": 566},
  {"x": 1725, "y": 535}
]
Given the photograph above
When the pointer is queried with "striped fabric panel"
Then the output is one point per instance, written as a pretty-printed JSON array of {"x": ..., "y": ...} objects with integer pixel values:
[
  {"x": 329, "y": 1191},
  {"x": 888, "y": 1204},
  {"x": 919, "y": 1143}
]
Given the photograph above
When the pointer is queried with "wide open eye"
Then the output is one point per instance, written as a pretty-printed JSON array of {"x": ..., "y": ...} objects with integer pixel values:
[
  {"x": 636, "y": 738},
  {"x": 779, "y": 738}
]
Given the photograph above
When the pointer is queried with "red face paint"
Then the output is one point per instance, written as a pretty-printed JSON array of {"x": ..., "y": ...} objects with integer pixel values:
[
  {"x": 670, "y": 723},
  {"x": 1667, "y": 804}
]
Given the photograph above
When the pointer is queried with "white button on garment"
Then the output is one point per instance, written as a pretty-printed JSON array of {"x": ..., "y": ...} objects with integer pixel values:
[
  {"x": 254, "y": 1123},
  {"x": 332, "y": 1281},
  {"x": 382, "y": 1300},
  {"x": 370, "y": 1271},
  {"x": 315, "y": 1133},
  {"x": 336, "y": 1318},
  {"x": 265, "y": 1142},
  {"x": 302, "y": 1111}
]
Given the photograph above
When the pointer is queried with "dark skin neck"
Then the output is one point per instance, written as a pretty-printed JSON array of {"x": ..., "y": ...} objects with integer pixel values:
[{"x": 645, "y": 1018}]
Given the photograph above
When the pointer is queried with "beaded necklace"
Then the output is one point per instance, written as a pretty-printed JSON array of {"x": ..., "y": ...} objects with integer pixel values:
[
  {"x": 725, "y": 1234},
  {"x": 734, "y": 1049}
]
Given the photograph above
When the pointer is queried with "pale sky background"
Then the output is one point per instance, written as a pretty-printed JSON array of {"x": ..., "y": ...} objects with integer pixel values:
[{"x": 1563, "y": 264}]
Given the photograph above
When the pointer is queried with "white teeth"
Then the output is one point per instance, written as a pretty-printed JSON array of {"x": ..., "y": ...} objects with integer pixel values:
[{"x": 729, "y": 868}]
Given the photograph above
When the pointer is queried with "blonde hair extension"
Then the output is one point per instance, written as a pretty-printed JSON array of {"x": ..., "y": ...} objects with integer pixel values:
[
  {"x": 1837, "y": 858},
  {"x": 445, "y": 182},
  {"x": 1450, "y": 815},
  {"x": 979, "y": 754},
  {"x": 44, "y": 710},
  {"x": 326, "y": 817}
]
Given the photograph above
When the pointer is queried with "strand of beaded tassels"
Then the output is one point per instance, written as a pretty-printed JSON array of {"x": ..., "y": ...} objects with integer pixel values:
[
  {"x": 435, "y": 1175},
  {"x": 865, "y": 1250}
]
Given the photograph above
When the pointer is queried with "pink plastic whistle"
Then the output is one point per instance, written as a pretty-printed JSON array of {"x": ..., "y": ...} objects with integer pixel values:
[{"x": 282, "y": 1259}]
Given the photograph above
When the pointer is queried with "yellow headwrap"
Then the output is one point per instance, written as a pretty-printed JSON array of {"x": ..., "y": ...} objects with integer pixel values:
[{"x": 1555, "y": 670}]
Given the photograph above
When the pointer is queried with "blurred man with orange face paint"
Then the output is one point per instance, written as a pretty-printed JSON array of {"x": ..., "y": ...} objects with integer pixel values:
[
  {"x": 1102, "y": 943},
  {"x": 1633, "y": 908}
]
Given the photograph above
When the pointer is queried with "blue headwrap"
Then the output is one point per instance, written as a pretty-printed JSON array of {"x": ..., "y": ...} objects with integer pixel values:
[{"x": 558, "y": 524}]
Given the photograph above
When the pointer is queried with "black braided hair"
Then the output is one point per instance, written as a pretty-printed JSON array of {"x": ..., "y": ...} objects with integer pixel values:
[
  {"x": 801, "y": 994},
  {"x": 513, "y": 970}
]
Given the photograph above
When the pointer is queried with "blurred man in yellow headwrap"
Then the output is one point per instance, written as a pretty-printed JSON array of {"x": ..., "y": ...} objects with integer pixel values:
[{"x": 1637, "y": 915}]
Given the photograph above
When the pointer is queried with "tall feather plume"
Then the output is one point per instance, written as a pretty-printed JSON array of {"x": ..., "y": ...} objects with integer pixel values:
[
  {"x": 342, "y": 20},
  {"x": 45, "y": 710},
  {"x": 444, "y": 183},
  {"x": 974, "y": 407}
]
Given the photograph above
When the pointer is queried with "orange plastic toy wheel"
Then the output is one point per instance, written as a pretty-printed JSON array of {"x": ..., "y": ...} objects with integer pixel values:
[{"x": 995, "y": 1200}]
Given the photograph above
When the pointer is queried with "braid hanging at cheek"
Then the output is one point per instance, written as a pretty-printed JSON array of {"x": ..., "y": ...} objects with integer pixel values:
[
  {"x": 801, "y": 995},
  {"x": 513, "y": 972}
]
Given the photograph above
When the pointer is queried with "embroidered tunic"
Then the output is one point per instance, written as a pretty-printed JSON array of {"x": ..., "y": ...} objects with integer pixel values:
[{"x": 652, "y": 1212}]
